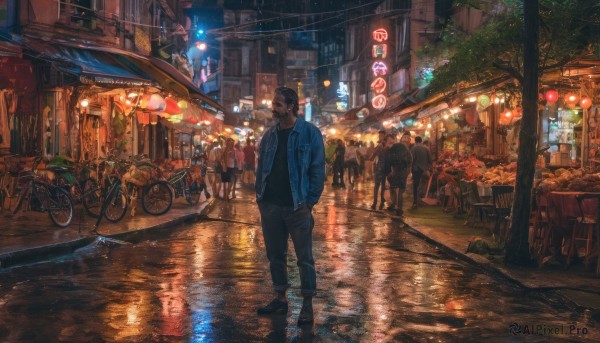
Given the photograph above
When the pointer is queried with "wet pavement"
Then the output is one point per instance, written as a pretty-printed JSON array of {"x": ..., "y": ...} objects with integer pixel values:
[{"x": 202, "y": 282}]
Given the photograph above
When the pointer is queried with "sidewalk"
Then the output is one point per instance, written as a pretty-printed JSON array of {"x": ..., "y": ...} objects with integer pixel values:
[
  {"x": 31, "y": 237},
  {"x": 447, "y": 231}
]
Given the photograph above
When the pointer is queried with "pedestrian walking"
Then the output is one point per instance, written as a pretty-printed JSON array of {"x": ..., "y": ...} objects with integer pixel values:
[
  {"x": 214, "y": 162},
  {"x": 397, "y": 166},
  {"x": 249, "y": 162},
  {"x": 338, "y": 164},
  {"x": 238, "y": 167},
  {"x": 378, "y": 157},
  {"x": 421, "y": 164},
  {"x": 351, "y": 162},
  {"x": 228, "y": 164},
  {"x": 290, "y": 179},
  {"x": 369, "y": 161}
]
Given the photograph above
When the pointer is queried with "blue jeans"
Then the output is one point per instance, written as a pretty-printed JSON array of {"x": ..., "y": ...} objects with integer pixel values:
[{"x": 278, "y": 224}]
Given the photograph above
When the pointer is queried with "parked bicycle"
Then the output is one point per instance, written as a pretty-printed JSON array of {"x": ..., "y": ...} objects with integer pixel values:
[
  {"x": 41, "y": 196},
  {"x": 184, "y": 185},
  {"x": 76, "y": 180},
  {"x": 146, "y": 178},
  {"x": 9, "y": 174}
]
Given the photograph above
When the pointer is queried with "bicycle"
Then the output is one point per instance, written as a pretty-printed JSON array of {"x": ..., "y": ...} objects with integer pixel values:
[
  {"x": 157, "y": 193},
  {"x": 184, "y": 185},
  {"x": 114, "y": 205},
  {"x": 42, "y": 196},
  {"x": 10, "y": 167},
  {"x": 82, "y": 189}
]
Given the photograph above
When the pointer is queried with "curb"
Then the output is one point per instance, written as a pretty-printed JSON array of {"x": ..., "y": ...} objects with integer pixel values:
[
  {"x": 412, "y": 228},
  {"x": 47, "y": 252}
]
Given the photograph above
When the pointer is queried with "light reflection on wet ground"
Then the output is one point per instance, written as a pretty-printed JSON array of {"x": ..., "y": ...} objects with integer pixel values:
[{"x": 377, "y": 283}]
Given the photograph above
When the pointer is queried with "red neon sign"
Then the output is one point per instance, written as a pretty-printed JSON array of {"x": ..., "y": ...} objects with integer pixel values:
[{"x": 380, "y": 35}]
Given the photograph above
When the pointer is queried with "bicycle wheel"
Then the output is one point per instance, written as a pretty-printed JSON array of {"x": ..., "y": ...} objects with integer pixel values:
[
  {"x": 192, "y": 191},
  {"x": 116, "y": 207},
  {"x": 92, "y": 197},
  {"x": 60, "y": 207},
  {"x": 157, "y": 198}
]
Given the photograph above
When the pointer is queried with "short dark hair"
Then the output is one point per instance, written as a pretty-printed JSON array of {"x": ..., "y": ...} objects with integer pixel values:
[
  {"x": 418, "y": 139},
  {"x": 382, "y": 132},
  {"x": 290, "y": 96}
]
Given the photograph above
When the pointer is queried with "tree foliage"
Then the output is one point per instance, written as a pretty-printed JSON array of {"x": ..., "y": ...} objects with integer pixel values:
[{"x": 569, "y": 29}]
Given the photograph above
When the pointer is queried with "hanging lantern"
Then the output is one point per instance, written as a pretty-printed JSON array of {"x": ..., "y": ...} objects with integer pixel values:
[
  {"x": 156, "y": 103},
  {"x": 484, "y": 101},
  {"x": 143, "y": 118},
  {"x": 171, "y": 106},
  {"x": 571, "y": 99},
  {"x": 551, "y": 96},
  {"x": 517, "y": 113},
  {"x": 153, "y": 119},
  {"x": 183, "y": 105},
  {"x": 585, "y": 102}
]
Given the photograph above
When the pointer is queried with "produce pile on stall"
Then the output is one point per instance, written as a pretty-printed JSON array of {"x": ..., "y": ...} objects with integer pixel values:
[{"x": 562, "y": 179}]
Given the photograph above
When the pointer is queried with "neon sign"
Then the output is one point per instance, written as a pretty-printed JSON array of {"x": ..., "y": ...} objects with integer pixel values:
[
  {"x": 379, "y": 85},
  {"x": 379, "y": 68},
  {"x": 379, "y": 51},
  {"x": 379, "y": 102},
  {"x": 380, "y": 35}
]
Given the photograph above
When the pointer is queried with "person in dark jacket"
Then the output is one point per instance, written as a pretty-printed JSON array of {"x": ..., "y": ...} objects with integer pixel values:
[{"x": 290, "y": 177}]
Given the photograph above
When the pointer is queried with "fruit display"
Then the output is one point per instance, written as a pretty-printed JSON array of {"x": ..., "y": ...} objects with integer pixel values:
[{"x": 500, "y": 175}]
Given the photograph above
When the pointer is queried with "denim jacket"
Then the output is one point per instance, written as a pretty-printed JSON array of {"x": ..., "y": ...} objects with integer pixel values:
[{"x": 306, "y": 162}]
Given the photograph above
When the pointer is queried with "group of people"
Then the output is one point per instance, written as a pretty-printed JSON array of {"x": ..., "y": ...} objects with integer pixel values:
[
  {"x": 231, "y": 162},
  {"x": 349, "y": 159},
  {"x": 393, "y": 162},
  {"x": 389, "y": 163}
]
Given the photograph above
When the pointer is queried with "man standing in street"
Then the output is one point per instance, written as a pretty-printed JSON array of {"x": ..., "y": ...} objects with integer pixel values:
[
  {"x": 290, "y": 177},
  {"x": 421, "y": 163}
]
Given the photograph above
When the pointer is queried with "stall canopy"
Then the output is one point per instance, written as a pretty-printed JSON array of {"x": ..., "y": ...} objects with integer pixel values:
[
  {"x": 194, "y": 92},
  {"x": 106, "y": 61}
]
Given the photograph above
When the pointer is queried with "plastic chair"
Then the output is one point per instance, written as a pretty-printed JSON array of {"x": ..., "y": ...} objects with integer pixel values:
[
  {"x": 464, "y": 197},
  {"x": 478, "y": 208},
  {"x": 585, "y": 229},
  {"x": 502, "y": 199}
]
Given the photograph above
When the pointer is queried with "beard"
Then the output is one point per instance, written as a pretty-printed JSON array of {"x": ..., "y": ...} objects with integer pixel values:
[{"x": 278, "y": 115}]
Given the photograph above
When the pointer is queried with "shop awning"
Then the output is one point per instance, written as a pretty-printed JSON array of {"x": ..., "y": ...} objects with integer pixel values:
[
  {"x": 91, "y": 66},
  {"x": 428, "y": 112},
  {"x": 98, "y": 67},
  {"x": 10, "y": 50},
  {"x": 194, "y": 92},
  {"x": 106, "y": 61}
]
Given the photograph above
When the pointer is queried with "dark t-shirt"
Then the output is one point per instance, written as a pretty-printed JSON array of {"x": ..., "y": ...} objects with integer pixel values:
[{"x": 278, "y": 190}]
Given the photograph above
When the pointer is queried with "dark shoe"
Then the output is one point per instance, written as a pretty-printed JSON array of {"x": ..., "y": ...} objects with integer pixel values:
[
  {"x": 207, "y": 195},
  {"x": 275, "y": 306},
  {"x": 306, "y": 315},
  {"x": 381, "y": 206},
  {"x": 374, "y": 206},
  {"x": 343, "y": 185},
  {"x": 414, "y": 206}
]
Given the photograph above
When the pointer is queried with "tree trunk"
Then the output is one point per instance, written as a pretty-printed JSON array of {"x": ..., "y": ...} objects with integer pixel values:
[{"x": 517, "y": 248}]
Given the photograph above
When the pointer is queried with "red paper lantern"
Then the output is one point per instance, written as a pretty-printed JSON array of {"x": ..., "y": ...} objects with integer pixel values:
[
  {"x": 171, "y": 106},
  {"x": 571, "y": 98},
  {"x": 551, "y": 96},
  {"x": 143, "y": 118},
  {"x": 153, "y": 119},
  {"x": 585, "y": 102}
]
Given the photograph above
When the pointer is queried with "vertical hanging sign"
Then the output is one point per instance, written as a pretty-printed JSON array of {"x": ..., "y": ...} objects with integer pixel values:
[{"x": 379, "y": 69}]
